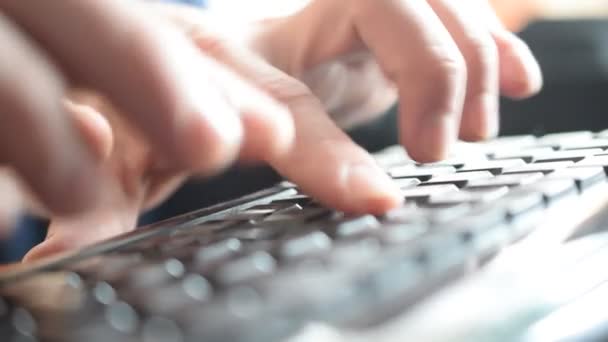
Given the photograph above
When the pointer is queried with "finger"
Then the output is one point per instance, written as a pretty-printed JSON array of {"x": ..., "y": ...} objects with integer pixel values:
[
  {"x": 268, "y": 126},
  {"x": 93, "y": 127},
  {"x": 149, "y": 70},
  {"x": 520, "y": 74},
  {"x": 414, "y": 50},
  {"x": 480, "y": 113},
  {"x": 67, "y": 233},
  {"x": 323, "y": 161},
  {"x": 36, "y": 136},
  {"x": 11, "y": 202}
]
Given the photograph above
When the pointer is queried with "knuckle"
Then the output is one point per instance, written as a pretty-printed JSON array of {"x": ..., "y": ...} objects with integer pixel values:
[
  {"x": 481, "y": 53},
  {"x": 447, "y": 75},
  {"x": 449, "y": 68},
  {"x": 285, "y": 89},
  {"x": 211, "y": 44}
]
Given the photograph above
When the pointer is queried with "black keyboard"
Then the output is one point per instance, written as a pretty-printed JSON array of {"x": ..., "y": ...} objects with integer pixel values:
[{"x": 263, "y": 267}]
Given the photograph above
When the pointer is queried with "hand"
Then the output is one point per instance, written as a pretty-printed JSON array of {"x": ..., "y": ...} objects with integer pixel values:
[
  {"x": 447, "y": 62},
  {"x": 196, "y": 113},
  {"x": 438, "y": 79}
]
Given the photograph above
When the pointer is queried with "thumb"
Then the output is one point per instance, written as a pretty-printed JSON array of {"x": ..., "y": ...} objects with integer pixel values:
[
  {"x": 93, "y": 127},
  {"x": 67, "y": 233}
]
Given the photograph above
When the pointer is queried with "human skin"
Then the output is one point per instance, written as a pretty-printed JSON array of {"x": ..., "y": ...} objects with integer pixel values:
[{"x": 447, "y": 69}]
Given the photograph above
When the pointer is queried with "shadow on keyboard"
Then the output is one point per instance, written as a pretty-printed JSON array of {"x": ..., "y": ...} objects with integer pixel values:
[{"x": 478, "y": 252}]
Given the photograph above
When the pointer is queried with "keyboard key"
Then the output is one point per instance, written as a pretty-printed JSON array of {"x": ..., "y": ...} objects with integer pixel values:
[
  {"x": 24, "y": 322},
  {"x": 509, "y": 180},
  {"x": 539, "y": 167},
  {"x": 406, "y": 183},
  {"x": 524, "y": 210},
  {"x": 425, "y": 173},
  {"x": 584, "y": 145},
  {"x": 554, "y": 189},
  {"x": 394, "y": 155},
  {"x": 356, "y": 226},
  {"x": 599, "y": 161},
  {"x": 154, "y": 274},
  {"x": 253, "y": 231},
  {"x": 104, "y": 293},
  {"x": 271, "y": 206},
  {"x": 245, "y": 268},
  {"x": 122, "y": 317},
  {"x": 527, "y": 155},
  {"x": 299, "y": 214},
  {"x": 471, "y": 196},
  {"x": 494, "y": 166},
  {"x": 459, "y": 179},
  {"x": 167, "y": 300},
  {"x": 486, "y": 230},
  {"x": 217, "y": 252},
  {"x": 458, "y": 162},
  {"x": 397, "y": 171},
  {"x": 293, "y": 199},
  {"x": 517, "y": 204},
  {"x": 244, "y": 302},
  {"x": 402, "y": 233},
  {"x": 566, "y": 137},
  {"x": 584, "y": 177},
  {"x": 408, "y": 212},
  {"x": 161, "y": 329},
  {"x": 444, "y": 255},
  {"x": 285, "y": 213},
  {"x": 439, "y": 213},
  {"x": 355, "y": 252},
  {"x": 425, "y": 192},
  {"x": 250, "y": 214},
  {"x": 108, "y": 267},
  {"x": 573, "y": 155},
  {"x": 513, "y": 142},
  {"x": 603, "y": 134},
  {"x": 313, "y": 243}
]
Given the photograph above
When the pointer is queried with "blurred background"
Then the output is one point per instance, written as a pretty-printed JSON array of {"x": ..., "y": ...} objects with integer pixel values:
[{"x": 569, "y": 38}]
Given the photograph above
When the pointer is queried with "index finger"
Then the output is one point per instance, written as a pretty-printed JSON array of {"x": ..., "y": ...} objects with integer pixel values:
[{"x": 413, "y": 48}]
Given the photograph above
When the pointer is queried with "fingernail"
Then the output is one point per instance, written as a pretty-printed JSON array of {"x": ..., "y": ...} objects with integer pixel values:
[{"x": 372, "y": 190}]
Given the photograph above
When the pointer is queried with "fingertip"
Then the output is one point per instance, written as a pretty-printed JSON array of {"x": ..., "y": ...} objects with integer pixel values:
[
  {"x": 268, "y": 134},
  {"x": 432, "y": 139},
  {"x": 94, "y": 129},
  {"x": 210, "y": 141},
  {"x": 480, "y": 118},
  {"x": 44, "y": 249},
  {"x": 520, "y": 73},
  {"x": 371, "y": 190}
]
